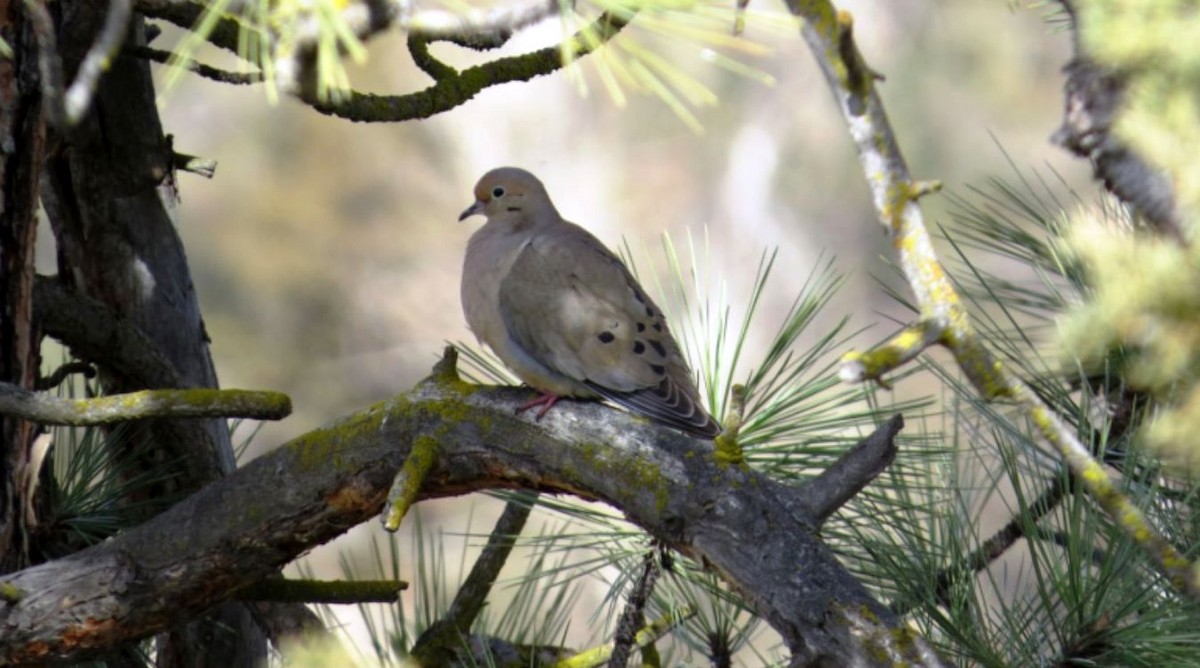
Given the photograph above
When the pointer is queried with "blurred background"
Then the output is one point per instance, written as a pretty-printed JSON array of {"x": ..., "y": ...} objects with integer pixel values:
[{"x": 327, "y": 254}]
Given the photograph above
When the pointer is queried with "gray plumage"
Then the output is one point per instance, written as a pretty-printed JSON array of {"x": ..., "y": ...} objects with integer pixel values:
[{"x": 564, "y": 313}]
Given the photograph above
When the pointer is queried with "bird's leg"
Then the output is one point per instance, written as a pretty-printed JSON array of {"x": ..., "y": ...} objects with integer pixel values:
[{"x": 544, "y": 399}]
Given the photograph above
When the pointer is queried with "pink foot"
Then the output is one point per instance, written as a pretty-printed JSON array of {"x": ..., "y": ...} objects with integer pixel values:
[{"x": 544, "y": 399}]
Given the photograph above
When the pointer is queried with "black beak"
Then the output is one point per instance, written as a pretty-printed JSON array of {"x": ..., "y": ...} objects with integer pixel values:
[{"x": 475, "y": 208}]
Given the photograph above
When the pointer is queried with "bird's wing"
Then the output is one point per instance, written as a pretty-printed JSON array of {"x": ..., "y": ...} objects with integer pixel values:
[{"x": 574, "y": 307}]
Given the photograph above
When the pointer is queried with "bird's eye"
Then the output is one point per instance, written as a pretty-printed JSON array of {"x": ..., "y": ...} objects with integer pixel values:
[{"x": 497, "y": 192}]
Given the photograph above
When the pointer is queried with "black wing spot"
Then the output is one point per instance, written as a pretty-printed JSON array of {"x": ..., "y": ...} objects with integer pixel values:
[
  {"x": 637, "y": 294},
  {"x": 638, "y": 348},
  {"x": 658, "y": 348},
  {"x": 658, "y": 369},
  {"x": 658, "y": 326},
  {"x": 606, "y": 337},
  {"x": 641, "y": 327},
  {"x": 649, "y": 311}
]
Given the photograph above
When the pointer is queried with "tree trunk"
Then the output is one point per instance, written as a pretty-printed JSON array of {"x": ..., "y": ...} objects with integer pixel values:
[
  {"x": 23, "y": 131},
  {"x": 110, "y": 197}
]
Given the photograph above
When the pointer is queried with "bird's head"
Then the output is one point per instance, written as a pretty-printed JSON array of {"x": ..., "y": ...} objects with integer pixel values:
[{"x": 508, "y": 192}]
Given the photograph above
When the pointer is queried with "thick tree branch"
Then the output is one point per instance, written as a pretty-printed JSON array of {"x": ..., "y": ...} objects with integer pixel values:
[
  {"x": 829, "y": 33},
  {"x": 95, "y": 334},
  {"x": 336, "y": 477},
  {"x": 197, "y": 402}
]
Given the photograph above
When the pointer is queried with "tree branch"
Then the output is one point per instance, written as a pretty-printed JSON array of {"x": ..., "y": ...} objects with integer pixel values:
[
  {"x": 829, "y": 33},
  {"x": 282, "y": 590},
  {"x": 455, "y": 88},
  {"x": 198, "y": 402},
  {"x": 331, "y": 479},
  {"x": 987, "y": 552},
  {"x": 633, "y": 617},
  {"x": 438, "y": 644},
  {"x": 95, "y": 334},
  {"x": 192, "y": 65}
]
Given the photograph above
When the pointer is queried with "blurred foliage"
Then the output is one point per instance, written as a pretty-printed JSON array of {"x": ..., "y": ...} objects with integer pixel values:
[
  {"x": 1143, "y": 311},
  {"x": 1152, "y": 45}
]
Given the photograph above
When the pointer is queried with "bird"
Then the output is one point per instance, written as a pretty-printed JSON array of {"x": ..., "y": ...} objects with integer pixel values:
[{"x": 565, "y": 314}]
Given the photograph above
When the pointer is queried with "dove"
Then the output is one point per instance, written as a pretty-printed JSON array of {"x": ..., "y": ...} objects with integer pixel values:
[{"x": 564, "y": 313}]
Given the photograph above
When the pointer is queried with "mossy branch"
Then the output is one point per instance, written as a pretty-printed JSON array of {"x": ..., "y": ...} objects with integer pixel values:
[
  {"x": 452, "y": 88},
  {"x": 282, "y": 590},
  {"x": 455, "y": 88},
  {"x": 333, "y": 478},
  {"x": 46, "y": 408},
  {"x": 943, "y": 317}
]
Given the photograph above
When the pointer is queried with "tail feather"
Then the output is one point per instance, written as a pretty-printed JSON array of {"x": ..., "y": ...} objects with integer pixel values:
[{"x": 666, "y": 404}]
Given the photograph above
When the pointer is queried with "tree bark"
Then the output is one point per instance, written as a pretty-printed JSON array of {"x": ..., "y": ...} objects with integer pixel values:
[{"x": 22, "y": 128}]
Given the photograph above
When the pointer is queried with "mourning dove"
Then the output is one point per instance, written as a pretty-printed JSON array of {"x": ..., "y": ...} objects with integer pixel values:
[{"x": 565, "y": 314}]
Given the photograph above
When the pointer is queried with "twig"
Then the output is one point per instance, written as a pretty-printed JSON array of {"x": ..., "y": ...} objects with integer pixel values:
[
  {"x": 183, "y": 162},
  {"x": 60, "y": 374},
  {"x": 990, "y": 550},
  {"x": 634, "y": 615},
  {"x": 830, "y": 36},
  {"x": 854, "y": 470},
  {"x": 194, "y": 402},
  {"x": 281, "y": 590},
  {"x": 437, "y": 644},
  {"x": 192, "y": 65}
]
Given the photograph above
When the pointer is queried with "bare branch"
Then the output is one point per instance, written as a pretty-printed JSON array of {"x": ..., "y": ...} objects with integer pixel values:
[
  {"x": 988, "y": 551},
  {"x": 854, "y": 470},
  {"x": 331, "y": 479},
  {"x": 634, "y": 615},
  {"x": 830, "y": 37},
  {"x": 435, "y": 647},
  {"x": 60, "y": 374},
  {"x": 46, "y": 408},
  {"x": 195, "y": 66}
]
